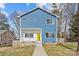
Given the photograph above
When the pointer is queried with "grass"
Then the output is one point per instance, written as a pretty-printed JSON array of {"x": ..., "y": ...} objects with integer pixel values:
[
  {"x": 70, "y": 45},
  {"x": 16, "y": 51},
  {"x": 58, "y": 50}
]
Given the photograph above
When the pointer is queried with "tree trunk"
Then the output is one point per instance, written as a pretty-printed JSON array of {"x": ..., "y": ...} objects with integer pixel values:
[
  {"x": 78, "y": 28},
  {"x": 67, "y": 18},
  {"x": 65, "y": 34}
]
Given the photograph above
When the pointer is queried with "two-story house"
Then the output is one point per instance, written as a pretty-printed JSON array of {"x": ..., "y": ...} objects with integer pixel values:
[{"x": 38, "y": 25}]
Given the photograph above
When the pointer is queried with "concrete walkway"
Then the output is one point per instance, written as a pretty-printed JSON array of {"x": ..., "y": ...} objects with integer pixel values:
[{"x": 39, "y": 51}]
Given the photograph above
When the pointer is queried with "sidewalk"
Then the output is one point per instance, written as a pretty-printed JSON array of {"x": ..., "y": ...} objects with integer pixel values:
[{"x": 39, "y": 51}]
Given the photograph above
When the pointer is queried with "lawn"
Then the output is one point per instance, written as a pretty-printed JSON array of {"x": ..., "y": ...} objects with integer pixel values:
[
  {"x": 16, "y": 51},
  {"x": 59, "y": 50},
  {"x": 70, "y": 45}
]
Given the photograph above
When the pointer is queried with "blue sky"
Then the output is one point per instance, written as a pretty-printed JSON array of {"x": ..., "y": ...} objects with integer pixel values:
[{"x": 10, "y": 7}]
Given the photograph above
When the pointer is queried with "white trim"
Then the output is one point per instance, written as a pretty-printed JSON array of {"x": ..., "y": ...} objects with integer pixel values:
[
  {"x": 27, "y": 12},
  {"x": 53, "y": 21},
  {"x": 40, "y": 8},
  {"x": 31, "y": 28},
  {"x": 20, "y": 28},
  {"x": 56, "y": 31},
  {"x": 36, "y": 29},
  {"x": 50, "y": 12}
]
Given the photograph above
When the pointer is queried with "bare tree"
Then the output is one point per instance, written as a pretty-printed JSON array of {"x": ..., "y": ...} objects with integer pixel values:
[
  {"x": 15, "y": 21},
  {"x": 56, "y": 9},
  {"x": 67, "y": 18},
  {"x": 3, "y": 22}
]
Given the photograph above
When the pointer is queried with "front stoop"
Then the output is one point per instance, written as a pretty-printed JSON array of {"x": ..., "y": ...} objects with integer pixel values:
[
  {"x": 39, "y": 44},
  {"x": 39, "y": 51}
]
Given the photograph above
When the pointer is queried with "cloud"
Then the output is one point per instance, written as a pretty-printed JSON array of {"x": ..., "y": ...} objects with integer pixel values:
[
  {"x": 41, "y": 5},
  {"x": 47, "y": 6},
  {"x": 27, "y": 4},
  {"x": 5, "y": 13},
  {"x": 2, "y": 6}
]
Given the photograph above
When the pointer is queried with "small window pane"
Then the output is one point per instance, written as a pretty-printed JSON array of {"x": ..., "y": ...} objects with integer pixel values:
[
  {"x": 28, "y": 34},
  {"x": 49, "y": 35},
  {"x": 50, "y": 21}
]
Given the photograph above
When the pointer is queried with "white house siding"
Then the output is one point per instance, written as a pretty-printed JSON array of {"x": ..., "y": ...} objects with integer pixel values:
[
  {"x": 29, "y": 38},
  {"x": 29, "y": 30}
]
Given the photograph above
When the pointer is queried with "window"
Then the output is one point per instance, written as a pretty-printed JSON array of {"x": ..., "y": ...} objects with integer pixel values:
[
  {"x": 49, "y": 35},
  {"x": 28, "y": 34},
  {"x": 50, "y": 21},
  {"x": 61, "y": 35}
]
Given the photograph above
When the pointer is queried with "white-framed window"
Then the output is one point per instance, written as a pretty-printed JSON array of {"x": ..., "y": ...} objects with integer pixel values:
[
  {"x": 50, "y": 21},
  {"x": 50, "y": 35},
  {"x": 29, "y": 35}
]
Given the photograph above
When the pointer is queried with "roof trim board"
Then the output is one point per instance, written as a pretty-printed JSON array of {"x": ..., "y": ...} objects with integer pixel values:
[{"x": 37, "y": 9}]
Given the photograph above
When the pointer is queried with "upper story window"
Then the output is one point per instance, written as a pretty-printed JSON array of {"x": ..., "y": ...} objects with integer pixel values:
[{"x": 50, "y": 21}]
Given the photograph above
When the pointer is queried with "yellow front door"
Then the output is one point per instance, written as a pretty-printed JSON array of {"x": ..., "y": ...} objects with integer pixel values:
[{"x": 38, "y": 37}]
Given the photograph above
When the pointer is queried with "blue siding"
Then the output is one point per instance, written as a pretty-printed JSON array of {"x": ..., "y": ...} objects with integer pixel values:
[{"x": 38, "y": 19}]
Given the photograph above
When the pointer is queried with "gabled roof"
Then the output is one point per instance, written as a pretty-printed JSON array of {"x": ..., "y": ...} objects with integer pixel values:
[
  {"x": 37, "y": 9},
  {"x": 2, "y": 31}
]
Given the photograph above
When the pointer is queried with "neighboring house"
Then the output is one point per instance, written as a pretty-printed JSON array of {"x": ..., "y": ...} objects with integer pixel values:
[
  {"x": 38, "y": 25},
  {"x": 6, "y": 37}
]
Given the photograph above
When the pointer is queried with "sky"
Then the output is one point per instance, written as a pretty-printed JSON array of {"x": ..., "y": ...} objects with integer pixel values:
[
  {"x": 20, "y": 7},
  {"x": 8, "y": 8}
]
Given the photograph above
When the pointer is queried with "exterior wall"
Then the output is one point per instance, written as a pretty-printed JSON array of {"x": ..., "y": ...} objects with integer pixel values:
[
  {"x": 6, "y": 38},
  {"x": 29, "y": 30},
  {"x": 38, "y": 19}
]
